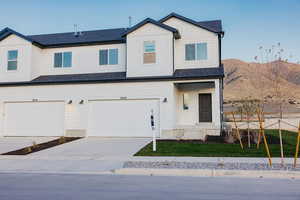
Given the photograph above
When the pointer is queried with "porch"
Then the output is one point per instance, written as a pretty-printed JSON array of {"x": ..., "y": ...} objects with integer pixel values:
[{"x": 198, "y": 110}]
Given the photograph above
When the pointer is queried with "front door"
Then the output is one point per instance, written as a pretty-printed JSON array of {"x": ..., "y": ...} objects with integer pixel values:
[{"x": 205, "y": 108}]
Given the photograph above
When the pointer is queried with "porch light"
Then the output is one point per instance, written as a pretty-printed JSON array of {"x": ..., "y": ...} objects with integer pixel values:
[{"x": 70, "y": 102}]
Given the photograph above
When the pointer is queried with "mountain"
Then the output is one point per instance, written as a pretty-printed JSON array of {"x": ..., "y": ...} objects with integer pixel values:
[{"x": 243, "y": 79}]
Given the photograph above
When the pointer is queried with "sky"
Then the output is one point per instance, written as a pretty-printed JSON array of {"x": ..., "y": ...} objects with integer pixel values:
[{"x": 248, "y": 24}]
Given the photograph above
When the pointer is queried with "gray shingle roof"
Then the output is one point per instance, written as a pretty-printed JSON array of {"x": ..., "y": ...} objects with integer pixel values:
[
  {"x": 199, "y": 72},
  {"x": 213, "y": 26},
  {"x": 179, "y": 74},
  {"x": 96, "y": 36},
  {"x": 81, "y": 77},
  {"x": 152, "y": 21},
  {"x": 105, "y": 36}
]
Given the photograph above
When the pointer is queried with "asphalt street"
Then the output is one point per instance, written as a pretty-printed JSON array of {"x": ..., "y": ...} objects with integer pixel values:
[{"x": 90, "y": 186}]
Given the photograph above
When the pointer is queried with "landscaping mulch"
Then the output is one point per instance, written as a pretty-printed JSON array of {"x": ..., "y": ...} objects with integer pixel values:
[{"x": 38, "y": 147}]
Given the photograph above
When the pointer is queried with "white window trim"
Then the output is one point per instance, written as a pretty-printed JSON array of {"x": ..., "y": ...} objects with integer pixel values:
[
  {"x": 196, "y": 51},
  {"x": 15, "y": 70},
  {"x": 108, "y": 57},
  {"x": 62, "y": 60}
]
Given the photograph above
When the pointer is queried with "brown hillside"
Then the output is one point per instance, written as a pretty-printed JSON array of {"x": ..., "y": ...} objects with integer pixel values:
[{"x": 243, "y": 79}]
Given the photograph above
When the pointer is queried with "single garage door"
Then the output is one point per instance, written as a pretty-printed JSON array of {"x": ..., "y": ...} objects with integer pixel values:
[
  {"x": 123, "y": 118},
  {"x": 34, "y": 119}
]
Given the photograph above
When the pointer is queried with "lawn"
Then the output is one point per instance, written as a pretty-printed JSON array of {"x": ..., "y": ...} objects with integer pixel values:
[{"x": 196, "y": 149}]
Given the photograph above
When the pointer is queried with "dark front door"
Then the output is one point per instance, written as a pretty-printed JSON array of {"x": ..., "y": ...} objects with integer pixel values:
[{"x": 205, "y": 110}]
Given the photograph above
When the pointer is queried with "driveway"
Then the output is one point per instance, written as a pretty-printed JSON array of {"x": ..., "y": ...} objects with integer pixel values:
[
  {"x": 95, "y": 147},
  {"x": 8, "y": 144}
]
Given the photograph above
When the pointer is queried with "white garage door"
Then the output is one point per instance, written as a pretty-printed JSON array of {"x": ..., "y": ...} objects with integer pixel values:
[
  {"x": 122, "y": 118},
  {"x": 34, "y": 119}
]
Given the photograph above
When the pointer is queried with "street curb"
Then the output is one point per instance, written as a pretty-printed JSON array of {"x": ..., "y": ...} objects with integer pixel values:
[{"x": 209, "y": 173}]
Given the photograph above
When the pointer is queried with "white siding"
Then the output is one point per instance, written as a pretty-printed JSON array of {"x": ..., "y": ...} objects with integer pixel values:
[
  {"x": 85, "y": 59},
  {"x": 23, "y": 73},
  {"x": 77, "y": 114},
  {"x": 193, "y": 34},
  {"x": 164, "y": 52},
  {"x": 191, "y": 116}
]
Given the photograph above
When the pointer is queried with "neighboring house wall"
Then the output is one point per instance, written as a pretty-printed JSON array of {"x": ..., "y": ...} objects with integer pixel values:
[
  {"x": 23, "y": 72},
  {"x": 192, "y": 34},
  {"x": 164, "y": 51}
]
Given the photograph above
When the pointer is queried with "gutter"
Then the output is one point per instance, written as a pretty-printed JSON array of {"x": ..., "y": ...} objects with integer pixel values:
[{"x": 119, "y": 80}]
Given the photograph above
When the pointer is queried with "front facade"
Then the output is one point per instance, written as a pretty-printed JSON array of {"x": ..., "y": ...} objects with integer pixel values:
[{"x": 109, "y": 82}]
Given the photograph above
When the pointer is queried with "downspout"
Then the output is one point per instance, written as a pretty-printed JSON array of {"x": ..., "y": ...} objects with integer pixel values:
[
  {"x": 221, "y": 82},
  {"x": 173, "y": 55},
  {"x": 126, "y": 56}
]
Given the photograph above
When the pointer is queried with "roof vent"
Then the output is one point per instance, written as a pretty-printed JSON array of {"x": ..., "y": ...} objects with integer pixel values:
[
  {"x": 77, "y": 33},
  {"x": 129, "y": 21}
]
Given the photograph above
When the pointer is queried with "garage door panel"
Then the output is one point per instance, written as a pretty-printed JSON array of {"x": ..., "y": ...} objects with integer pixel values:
[
  {"x": 34, "y": 119},
  {"x": 122, "y": 118}
]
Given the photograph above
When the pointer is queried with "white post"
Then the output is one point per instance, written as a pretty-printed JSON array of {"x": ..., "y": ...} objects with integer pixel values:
[{"x": 153, "y": 131}]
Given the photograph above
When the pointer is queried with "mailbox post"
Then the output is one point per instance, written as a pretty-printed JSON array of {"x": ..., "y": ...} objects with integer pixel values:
[{"x": 153, "y": 131}]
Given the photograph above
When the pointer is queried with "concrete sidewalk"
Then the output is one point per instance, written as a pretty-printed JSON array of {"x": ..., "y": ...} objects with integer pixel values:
[{"x": 115, "y": 165}]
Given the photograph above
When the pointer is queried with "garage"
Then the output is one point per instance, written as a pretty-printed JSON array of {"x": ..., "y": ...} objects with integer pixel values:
[
  {"x": 123, "y": 118},
  {"x": 34, "y": 118}
]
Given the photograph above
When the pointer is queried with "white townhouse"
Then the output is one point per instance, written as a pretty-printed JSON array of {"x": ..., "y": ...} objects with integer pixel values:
[{"x": 109, "y": 82}]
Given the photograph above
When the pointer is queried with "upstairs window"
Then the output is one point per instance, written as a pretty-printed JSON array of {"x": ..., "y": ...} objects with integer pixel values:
[
  {"x": 12, "y": 60},
  {"x": 108, "y": 57},
  {"x": 197, "y": 51},
  {"x": 149, "y": 52},
  {"x": 63, "y": 59}
]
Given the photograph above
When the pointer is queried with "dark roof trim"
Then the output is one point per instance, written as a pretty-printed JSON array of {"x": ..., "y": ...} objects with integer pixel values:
[
  {"x": 84, "y": 44},
  {"x": 189, "y": 21},
  {"x": 7, "y": 32},
  {"x": 152, "y": 21},
  {"x": 117, "y": 77}
]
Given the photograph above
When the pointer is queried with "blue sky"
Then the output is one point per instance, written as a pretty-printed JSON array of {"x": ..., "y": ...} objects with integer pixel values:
[{"x": 248, "y": 24}]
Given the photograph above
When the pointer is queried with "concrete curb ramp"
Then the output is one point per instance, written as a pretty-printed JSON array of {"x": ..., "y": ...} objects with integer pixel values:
[{"x": 208, "y": 173}]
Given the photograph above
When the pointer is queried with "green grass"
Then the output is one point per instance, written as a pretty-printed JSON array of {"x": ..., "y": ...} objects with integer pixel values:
[{"x": 177, "y": 148}]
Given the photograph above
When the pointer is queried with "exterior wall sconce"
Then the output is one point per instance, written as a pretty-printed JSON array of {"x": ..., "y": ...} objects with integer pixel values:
[
  {"x": 70, "y": 102},
  {"x": 185, "y": 99},
  {"x": 165, "y": 100},
  {"x": 81, "y": 101}
]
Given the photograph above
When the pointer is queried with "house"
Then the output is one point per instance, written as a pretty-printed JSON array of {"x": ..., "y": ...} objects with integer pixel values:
[{"x": 109, "y": 82}]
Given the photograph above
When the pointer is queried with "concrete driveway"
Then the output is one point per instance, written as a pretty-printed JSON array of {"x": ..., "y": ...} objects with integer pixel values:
[
  {"x": 8, "y": 144},
  {"x": 95, "y": 147}
]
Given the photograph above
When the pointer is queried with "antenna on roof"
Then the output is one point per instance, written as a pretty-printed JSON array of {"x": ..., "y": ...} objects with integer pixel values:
[{"x": 129, "y": 21}]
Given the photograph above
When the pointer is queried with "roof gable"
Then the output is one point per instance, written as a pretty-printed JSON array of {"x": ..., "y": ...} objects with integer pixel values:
[
  {"x": 7, "y": 32},
  {"x": 152, "y": 21},
  {"x": 212, "y": 26}
]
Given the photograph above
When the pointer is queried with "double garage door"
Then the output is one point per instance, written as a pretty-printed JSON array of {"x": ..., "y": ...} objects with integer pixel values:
[{"x": 107, "y": 118}]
